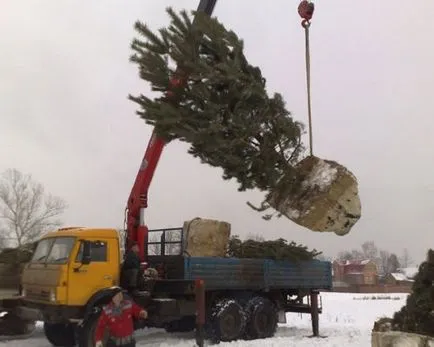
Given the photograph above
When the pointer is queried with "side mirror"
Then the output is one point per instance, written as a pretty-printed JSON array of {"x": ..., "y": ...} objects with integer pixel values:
[{"x": 86, "y": 257}]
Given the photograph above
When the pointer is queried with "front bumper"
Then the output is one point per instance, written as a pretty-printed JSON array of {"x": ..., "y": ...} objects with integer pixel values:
[
  {"x": 27, "y": 313},
  {"x": 48, "y": 313}
]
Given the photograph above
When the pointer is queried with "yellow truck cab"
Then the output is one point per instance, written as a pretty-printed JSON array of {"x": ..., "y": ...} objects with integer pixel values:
[
  {"x": 58, "y": 274},
  {"x": 71, "y": 269}
]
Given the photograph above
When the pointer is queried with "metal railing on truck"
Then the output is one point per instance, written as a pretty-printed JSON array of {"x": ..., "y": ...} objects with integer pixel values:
[{"x": 166, "y": 244}]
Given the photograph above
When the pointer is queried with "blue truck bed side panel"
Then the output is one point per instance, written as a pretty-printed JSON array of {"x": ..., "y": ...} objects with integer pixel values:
[
  {"x": 313, "y": 274},
  {"x": 226, "y": 273},
  {"x": 258, "y": 274}
]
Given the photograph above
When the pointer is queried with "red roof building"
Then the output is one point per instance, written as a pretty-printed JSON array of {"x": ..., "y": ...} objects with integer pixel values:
[{"x": 360, "y": 272}]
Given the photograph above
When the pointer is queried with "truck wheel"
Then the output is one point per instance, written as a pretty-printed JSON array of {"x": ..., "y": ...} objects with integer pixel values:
[
  {"x": 227, "y": 321},
  {"x": 87, "y": 331},
  {"x": 262, "y": 318},
  {"x": 59, "y": 334},
  {"x": 185, "y": 324}
]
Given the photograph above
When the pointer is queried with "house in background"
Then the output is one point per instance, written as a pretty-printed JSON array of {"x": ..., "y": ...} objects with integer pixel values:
[
  {"x": 364, "y": 272},
  {"x": 409, "y": 272},
  {"x": 397, "y": 279},
  {"x": 404, "y": 276}
]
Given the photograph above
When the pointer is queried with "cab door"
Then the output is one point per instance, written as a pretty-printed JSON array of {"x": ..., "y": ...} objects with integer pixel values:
[{"x": 102, "y": 271}]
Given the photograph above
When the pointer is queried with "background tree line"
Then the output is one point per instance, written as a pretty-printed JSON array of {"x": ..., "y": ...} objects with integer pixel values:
[
  {"x": 26, "y": 210},
  {"x": 387, "y": 262}
]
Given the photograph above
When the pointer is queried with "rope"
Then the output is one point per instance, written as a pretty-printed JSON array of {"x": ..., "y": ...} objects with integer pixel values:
[
  {"x": 305, "y": 10},
  {"x": 309, "y": 103}
]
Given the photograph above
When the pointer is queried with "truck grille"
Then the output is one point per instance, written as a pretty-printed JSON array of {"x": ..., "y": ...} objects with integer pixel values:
[{"x": 40, "y": 295}]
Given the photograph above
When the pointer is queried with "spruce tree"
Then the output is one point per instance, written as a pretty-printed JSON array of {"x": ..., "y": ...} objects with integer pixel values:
[
  {"x": 417, "y": 316},
  {"x": 278, "y": 249},
  {"x": 220, "y": 104}
]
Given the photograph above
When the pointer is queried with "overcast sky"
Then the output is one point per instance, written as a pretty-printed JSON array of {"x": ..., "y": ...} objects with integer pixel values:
[{"x": 65, "y": 117}]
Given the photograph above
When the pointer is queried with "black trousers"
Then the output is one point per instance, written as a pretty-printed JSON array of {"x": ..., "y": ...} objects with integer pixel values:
[{"x": 110, "y": 343}]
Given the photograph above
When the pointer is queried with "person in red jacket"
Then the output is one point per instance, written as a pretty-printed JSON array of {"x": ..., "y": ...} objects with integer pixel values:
[{"x": 117, "y": 318}]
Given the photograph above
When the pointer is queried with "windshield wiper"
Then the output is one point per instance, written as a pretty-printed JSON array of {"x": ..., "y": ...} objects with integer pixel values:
[
  {"x": 60, "y": 259},
  {"x": 56, "y": 260}
]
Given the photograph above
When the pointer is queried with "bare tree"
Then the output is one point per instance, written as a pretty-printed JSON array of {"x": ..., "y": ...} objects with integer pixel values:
[
  {"x": 352, "y": 255},
  {"x": 255, "y": 237},
  {"x": 26, "y": 211},
  {"x": 405, "y": 260},
  {"x": 383, "y": 264},
  {"x": 344, "y": 256},
  {"x": 393, "y": 263},
  {"x": 323, "y": 257},
  {"x": 388, "y": 262},
  {"x": 370, "y": 250}
]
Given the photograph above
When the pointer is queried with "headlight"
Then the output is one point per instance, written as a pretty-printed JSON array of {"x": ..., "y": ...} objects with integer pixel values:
[{"x": 52, "y": 295}]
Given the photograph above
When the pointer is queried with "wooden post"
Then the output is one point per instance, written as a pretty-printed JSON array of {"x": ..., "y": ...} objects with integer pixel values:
[
  {"x": 314, "y": 312},
  {"x": 200, "y": 312}
]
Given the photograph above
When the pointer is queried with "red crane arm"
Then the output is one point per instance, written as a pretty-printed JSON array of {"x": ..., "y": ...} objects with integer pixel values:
[{"x": 137, "y": 231}]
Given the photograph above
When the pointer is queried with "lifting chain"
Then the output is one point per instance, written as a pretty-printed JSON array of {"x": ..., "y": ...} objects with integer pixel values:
[{"x": 305, "y": 10}]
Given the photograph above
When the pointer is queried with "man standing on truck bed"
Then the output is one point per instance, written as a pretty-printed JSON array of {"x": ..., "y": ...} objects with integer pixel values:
[
  {"x": 131, "y": 268},
  {"x": 117, "y": 317}
]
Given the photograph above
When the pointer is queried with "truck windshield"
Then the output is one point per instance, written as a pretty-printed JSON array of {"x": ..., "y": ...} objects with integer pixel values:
[{"x": 54, "y": 250}]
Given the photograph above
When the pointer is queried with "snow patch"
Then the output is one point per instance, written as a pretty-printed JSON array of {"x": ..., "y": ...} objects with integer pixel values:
[
  {"x": 344, "y": 322},
  {"x": 322, "y": 175},
  {"x": 293, "y": 214},
  {"x": 399, "y": 276}
]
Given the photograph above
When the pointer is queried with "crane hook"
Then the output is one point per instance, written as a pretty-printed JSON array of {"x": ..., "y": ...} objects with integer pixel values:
[{"x": 305, "y": 10}]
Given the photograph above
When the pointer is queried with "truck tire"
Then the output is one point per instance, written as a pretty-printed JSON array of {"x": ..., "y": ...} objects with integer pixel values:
[
  {"x": 86, "y": 334},
  {"x": 262, "y": 318},
  {"x": 185, "y": 324},
  {"x": 59, "y": 334},
  {"x": 227, "y": 321}
]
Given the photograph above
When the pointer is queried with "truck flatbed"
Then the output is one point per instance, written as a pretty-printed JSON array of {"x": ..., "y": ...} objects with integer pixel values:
[
  {"x": 259, "y": 274},
  {"x": 255, "y": 274}
]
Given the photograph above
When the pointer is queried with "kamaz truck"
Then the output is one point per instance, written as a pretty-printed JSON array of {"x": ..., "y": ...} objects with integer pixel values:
[{"x": 72, "y": 272}]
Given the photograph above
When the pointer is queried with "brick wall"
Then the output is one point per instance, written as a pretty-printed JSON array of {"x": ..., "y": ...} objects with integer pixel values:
[
  {"x": 370, "y": 273},
  {"x": 338, "y": 271}
]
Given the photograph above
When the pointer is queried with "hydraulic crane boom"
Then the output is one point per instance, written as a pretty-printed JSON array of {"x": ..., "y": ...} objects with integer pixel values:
[{"x": 136, "y": 228}]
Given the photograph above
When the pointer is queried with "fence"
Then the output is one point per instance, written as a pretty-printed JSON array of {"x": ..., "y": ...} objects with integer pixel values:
[{"x": 381, "y": 288}]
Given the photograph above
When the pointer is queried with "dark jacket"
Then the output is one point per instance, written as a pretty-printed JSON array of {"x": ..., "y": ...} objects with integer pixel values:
[{"x": 132, "y": 261}]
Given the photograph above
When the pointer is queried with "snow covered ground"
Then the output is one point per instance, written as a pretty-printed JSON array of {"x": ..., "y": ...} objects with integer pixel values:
[{"x": 347, "y": 321}]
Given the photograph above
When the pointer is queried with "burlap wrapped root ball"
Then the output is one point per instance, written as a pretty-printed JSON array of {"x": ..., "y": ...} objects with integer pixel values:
[
  {"x": 326, "y": 199},
  {"x": 206, "y": 237}
]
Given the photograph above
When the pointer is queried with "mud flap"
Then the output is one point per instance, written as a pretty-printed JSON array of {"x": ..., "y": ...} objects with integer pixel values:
[
  {"x": 13, "y": 327},
  {"x": 282, "y": 317}
]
